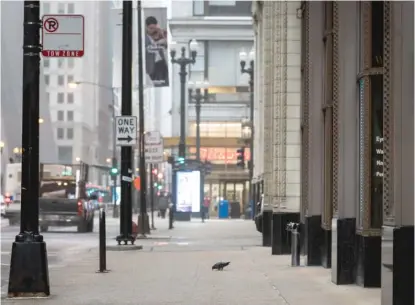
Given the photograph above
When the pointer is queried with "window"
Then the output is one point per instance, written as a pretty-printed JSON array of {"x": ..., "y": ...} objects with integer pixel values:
[
  {"x": 70, "y": 79},
  {"x": 61, "y": 61},
  {"x": 61, "y": 8},
  {"x": 198, "y": 7},
  {"x": 228, "y": 8},
  {"x": 71, "y": 63},
  {"x": 60, "y": 115},
  {"x": 71, "y": 8},
  {"x": 45, "y": 7},
  {"x": 47, "y": 98},
  {"x": 69, "y": 133},
  {"x": 47, "y": 79},
  {"x": 61, "y": 80},
  {"x": 61, "y": 98},
  {"x": 69, "y": 116},
  {"x": 46, "y": 63},
  {"x": 59, "y": 133},
  {"x": 217, "y": 129},
  {"x": 65, "y": 154},
  {"x": 69, "y": 98}
]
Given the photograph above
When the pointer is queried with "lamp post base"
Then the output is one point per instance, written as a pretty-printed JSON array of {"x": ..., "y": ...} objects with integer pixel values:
[{"x": 29, "y": 274}]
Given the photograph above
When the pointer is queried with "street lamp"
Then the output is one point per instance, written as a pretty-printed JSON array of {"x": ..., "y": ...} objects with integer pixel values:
[
  {"x": 114, "y": 162},
  {"x": 201, "y": 95},
  {"x": 183, "y": 61},
  {"x": 250, "y": 71}
]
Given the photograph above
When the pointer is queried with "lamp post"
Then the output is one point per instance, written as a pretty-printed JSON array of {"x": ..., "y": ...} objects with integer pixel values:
[
  {"x": 250, "y": 71},
  {"x": 114, "y": 163},
  {"x": 183, "y": 61},
  {"x": 200, "y": 95},
  {"x": 29, "y": 275}
]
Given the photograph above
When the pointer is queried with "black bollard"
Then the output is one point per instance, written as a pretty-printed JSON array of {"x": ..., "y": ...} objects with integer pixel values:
[
  {"x": 102, "y": 243},
  {"x": 171, "y": 217}
]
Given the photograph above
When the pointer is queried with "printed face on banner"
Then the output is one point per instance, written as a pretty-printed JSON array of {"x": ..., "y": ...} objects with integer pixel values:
[{"x": 156, "y": 52}]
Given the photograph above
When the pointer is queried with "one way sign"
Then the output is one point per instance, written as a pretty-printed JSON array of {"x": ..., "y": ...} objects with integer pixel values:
[{"x": 126, "y": 130}]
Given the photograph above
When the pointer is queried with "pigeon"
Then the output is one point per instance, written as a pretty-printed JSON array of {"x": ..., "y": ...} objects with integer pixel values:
[{"x": 220, "y": 265}]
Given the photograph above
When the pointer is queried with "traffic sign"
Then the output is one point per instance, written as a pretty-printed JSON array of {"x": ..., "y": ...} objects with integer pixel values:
[
  {"x": 63, "y": 35},
  {"x": 153, "y": 137},
  {"x": 154, "y": 153},
  {"x": 126, "y": 130}
]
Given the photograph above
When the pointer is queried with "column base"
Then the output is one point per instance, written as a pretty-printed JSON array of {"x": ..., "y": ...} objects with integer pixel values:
[
  {"x": 302, "y": 238},
  {"x": 368, "y": 261},
  {"x": 281, "y": 239},
  {"x": 313, "y": 239},
  {"x": 266, "y": 228},
  {"x": 397, "y": 265},
  {"x": 326, "y": 249},
  {"x": 343, "y": 254},
  {"x": 29, "y": 275}
]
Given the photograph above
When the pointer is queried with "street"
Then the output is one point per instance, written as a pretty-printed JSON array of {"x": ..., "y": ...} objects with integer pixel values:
[{"x": 174, "y": 268}]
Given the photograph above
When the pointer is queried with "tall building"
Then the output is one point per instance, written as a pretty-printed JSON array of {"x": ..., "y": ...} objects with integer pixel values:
[
  {"x": 11, "y": 91},
  {"x": 81, "y": 115},
  {"x": 357, "y": 140},
  {"x": 222, "y": 29}
]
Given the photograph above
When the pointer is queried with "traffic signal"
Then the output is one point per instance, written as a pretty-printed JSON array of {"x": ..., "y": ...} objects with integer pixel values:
[
  {"x": 180, "y": 160},
  {"x": 114, "y": 168},
  {"x": 240, "y": 157}
]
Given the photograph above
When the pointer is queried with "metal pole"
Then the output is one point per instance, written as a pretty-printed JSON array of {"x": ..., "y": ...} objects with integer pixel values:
[
  {"x": 114, "y": 160},
  {"x": 102, "y": 243},
  {"x": 251, "y": 142},
  {"x": 126, "y": 151},
  {"x": 152, "y": 196},
  {"x": 183, "y": 73},
  {"x": 143, "y": 184},
  {"x": 29, "y": 258},
  {"x": 198, "y": 98}
]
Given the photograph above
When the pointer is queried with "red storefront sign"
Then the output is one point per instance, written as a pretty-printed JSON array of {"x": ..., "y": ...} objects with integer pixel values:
[{"x": 227, "y": 155}]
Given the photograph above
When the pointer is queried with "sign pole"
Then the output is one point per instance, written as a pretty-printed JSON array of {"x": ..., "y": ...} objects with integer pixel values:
[
  {"x": 143, "y": 193},
  {"x": 126, "y": 110},
  {"x": 29, "y": 275}
]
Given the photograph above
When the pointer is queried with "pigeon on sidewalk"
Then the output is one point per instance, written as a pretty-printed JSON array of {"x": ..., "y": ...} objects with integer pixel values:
[{"x": 220, "y": 265}]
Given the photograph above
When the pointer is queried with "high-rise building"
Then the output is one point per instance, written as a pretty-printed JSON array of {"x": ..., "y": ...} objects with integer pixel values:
[
  {"x": 11, "y": 91},
  {"x": 222, "y": 29},
  {"x": 81, "y": 115}
]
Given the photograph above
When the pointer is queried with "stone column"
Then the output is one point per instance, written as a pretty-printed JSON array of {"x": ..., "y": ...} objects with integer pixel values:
[
  {"x": 398, "y": 195},
  {"x": 286, "y": 122},
  {"x": 313, "y": 231},
  {"x": 267, "y": 98},
  {"x": 345, "y": 139}
]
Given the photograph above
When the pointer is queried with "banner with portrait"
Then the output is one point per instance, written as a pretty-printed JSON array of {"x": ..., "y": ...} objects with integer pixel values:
[{"x": 156, "y": 47}]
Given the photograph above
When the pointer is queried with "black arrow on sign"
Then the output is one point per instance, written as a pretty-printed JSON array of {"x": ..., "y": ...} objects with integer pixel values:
[{"x": 128, "y": 139}]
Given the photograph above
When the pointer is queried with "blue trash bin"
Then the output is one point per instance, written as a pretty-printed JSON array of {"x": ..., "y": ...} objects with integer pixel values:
[{"x": 223, "y": 212}]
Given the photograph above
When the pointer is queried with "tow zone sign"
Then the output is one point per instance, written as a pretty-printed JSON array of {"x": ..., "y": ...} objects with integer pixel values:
[{"x": 63, "y": 35}]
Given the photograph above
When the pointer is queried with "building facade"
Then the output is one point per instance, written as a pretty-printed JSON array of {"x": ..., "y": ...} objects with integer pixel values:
[
  {"x": 81, "y": 116},
  {"x": 222, "y": 29},
  {"x": 357, "y": 201},
  {"x": 277, "y": 117}
]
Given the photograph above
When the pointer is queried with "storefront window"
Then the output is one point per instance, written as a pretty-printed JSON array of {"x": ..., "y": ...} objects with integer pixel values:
[
  {"x": 361, "y": 150},
  {"x": 376, "y": 187}
]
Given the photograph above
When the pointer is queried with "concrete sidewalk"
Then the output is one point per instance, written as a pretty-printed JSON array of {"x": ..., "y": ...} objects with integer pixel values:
[{"x": 180, "y": 274}]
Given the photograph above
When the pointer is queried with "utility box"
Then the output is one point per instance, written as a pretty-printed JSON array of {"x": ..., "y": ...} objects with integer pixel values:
[{"x": 223, "y": 211}]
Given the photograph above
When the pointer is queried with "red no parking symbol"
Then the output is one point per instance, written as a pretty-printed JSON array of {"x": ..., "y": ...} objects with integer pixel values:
[{"x": 51, "y": 25}]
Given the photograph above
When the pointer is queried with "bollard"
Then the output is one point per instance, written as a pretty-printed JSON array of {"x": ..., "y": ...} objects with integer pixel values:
[
  {"x": 102, "y": 243},
  {"x": 171, "y": 216},
  {"x": 295, "y": 243}
]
